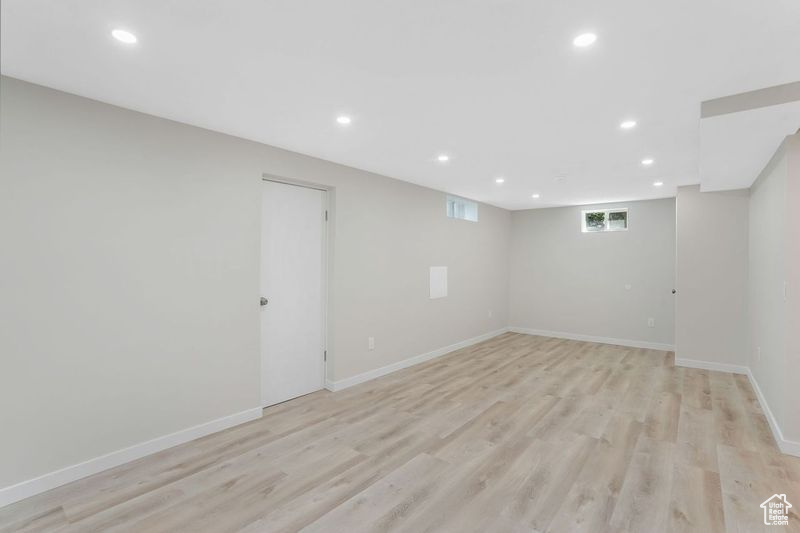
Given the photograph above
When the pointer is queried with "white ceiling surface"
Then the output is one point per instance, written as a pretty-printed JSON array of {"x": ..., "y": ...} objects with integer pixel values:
[
  {"x": 497, "y": 84},
  {"x": 735, "y": 148}
]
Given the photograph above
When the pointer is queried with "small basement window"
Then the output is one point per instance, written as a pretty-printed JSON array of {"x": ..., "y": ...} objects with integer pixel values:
[
  {"x": 598, "y": 220},
  {"x": 462, "y": 208}
]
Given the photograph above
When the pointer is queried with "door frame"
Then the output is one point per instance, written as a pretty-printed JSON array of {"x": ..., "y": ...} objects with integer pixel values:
[{"x": 327, "y": 262}]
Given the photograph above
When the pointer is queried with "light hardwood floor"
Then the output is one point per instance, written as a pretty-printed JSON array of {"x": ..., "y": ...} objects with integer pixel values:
[{"x": 519, "y": 433}]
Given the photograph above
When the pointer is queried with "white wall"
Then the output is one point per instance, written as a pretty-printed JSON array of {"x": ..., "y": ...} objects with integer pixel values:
[
  {"x": 792, "y": 409},
  {"x": 566, "y": 281},
  {"x": 738, "y": 276},
  {"x": 130, "y": 285},
  {"x": 388, "y": 235},
  {"x": 711, "y": 276},
  {"x": 774, "y": 261}
]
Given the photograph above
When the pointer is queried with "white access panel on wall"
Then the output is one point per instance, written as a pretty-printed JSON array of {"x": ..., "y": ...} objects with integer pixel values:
[
  {"x": 292, "y": 320},
  {"x": 438, "y": 281}
]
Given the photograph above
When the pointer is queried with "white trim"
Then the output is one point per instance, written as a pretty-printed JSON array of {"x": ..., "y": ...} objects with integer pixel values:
[
  {"x": 709, "y": 365},
  {"x": 326, "y": 275},
  {"x": 291, "y": 181},
  {"x": 591, "y": 338},
  {"x": 786, "y": 446},
  {"x": 789, "y": 447},
  {"x": 78, "y": 471},
  {"x": 411, "y": 361}
]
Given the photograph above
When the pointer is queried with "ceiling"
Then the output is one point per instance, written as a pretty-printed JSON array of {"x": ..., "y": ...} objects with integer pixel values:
[
  {"x": 495, "y": 84},
  {"x": 735, "y": 147}
]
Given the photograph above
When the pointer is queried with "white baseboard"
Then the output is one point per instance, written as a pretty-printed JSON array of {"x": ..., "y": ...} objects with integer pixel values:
[
  {"x": 591, "y": 338},
  {"x": 66, "y": 475},
  {"x": 789, "y": 447},
  {"x": 411, "y": 361},
  {"x": 709, "y": 365}
]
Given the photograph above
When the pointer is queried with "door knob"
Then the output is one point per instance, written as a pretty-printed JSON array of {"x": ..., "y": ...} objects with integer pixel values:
[{"x": 264, "y": 301}]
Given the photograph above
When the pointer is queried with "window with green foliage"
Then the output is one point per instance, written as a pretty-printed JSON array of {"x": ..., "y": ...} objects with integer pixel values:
[{"x": 600, "y": 220}]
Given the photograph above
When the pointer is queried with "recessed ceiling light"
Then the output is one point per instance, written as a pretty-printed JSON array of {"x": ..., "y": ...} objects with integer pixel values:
[
  {"x": 443, "y": 158},
  {"x": 535, "y": 195},
  {"x": 585, "y": 39},
  {"x": 499, "y": 180},
  {"x": 658, "y": 183},
  {"x": 124, "y": 36},
  {"x": 647, "y": 162},
  {"x": 628, "y": 124},
  {"x": 344, "y": 120}
]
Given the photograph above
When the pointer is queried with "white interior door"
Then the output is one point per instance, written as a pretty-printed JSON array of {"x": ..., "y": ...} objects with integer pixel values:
[{"x": 292, "y": 340}]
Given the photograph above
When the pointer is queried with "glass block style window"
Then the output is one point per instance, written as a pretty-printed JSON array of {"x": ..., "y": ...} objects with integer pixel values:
[
  {"x": 462, "y": 208},
  {"x": 599, "y": 220}
]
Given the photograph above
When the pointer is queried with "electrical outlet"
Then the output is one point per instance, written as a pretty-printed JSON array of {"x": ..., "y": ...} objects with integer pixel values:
[
  {"x": 758, "y": 353},
  {"x": 490, "y": 313},
  {"x": 371, "y": 343},
  {"x": 651, "y": 322}
]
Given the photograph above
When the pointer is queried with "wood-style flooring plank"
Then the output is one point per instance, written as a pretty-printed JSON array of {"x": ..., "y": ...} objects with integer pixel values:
[{"x": 516, "y": 434}]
